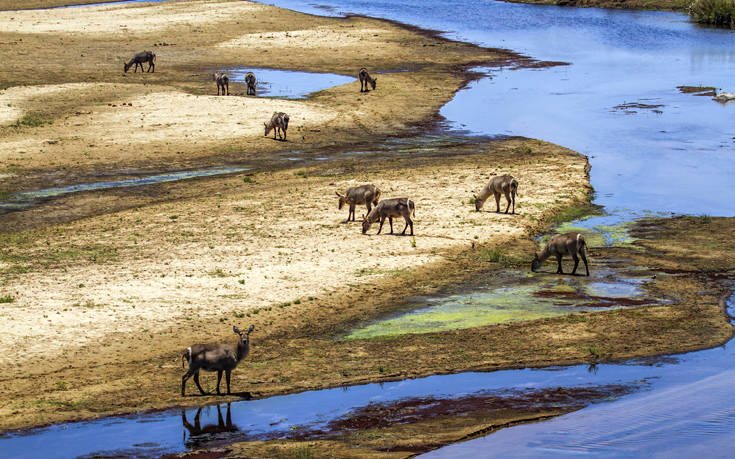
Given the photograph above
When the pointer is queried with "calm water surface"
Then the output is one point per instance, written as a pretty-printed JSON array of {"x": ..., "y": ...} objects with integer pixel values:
[{"x": 675, "y": 157}]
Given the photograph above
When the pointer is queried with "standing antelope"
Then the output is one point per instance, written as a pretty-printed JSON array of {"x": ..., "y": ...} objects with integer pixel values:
[
  {"x": 223, "y": 81},
  {"x": 363, "y": 194},
  {"x": 389, "y": 208},
  {"x": 365, "y": 78},
  {"x": 215, "y": 357},
  {"x": 250, "y": 82},
  {"x": 505, "y": 184},
  {"x": 278, "y": 123},
  {"x": 560, "y": 245},
  {"x": 139, "y": 59}
]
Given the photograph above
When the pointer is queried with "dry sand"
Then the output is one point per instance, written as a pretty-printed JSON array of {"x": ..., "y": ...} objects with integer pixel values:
[{"x": 251, "y": 246}]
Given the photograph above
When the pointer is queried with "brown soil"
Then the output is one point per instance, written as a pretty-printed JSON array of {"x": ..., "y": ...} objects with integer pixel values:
[
  {"x": 70, "y": 110},
  {"x": 102, "y": 291},
  {"x": 414, "y": 426}
]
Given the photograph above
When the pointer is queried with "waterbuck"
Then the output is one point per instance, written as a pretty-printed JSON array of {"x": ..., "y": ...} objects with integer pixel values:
[
  {"x": 250, "y": 82},
  {"x": 215, "y": 357},
  {"x": 504, "y": 184},
  {"x": 365, "y": 78},
  {"x": 139, "y": 59},
  {"x": 560, "y": 245},
  {"x": 278, "y": 123},
  {"x": 363, "y": 194},
  {"x": 389, "y": 208},
  {"x": 223, "y": 81}
]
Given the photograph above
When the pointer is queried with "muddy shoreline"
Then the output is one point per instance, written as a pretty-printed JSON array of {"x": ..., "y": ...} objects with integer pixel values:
[{"x": 142, "y": 273}]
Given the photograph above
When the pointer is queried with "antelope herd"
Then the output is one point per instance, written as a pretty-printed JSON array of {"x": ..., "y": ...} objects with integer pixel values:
[{"x": 225, "y": 357}]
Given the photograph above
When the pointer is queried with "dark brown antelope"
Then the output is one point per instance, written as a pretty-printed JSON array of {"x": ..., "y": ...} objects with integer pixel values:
[
  {"x": 278, "y": 123},
  {"x": 139, "y": 59},
  {"x": 389, "y": 208},
  {"x": 250, "y": 82},
  {"x": 504, "y": 184},
  {"x": 223, "y": 81},
  {"x": 363, "y": 194},
  {"x": 365, "y": 78},
  {"x": 560, "y": 245},
  {"x": 215, "y": 357}
]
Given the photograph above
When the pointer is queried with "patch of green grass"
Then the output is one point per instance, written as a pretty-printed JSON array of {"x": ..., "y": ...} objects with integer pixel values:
[
  {"x": 31, "y": 119},
  {"x": 594, "y": 352},
  {"x": 217, "y": 273},
  {"x": 6, "y": 299},
  {"x": 720, "y": 13},
  {"x": 248, "y": 179},
  {"x": 301, "y": 174},
  {"x": 704, "y": 218}
]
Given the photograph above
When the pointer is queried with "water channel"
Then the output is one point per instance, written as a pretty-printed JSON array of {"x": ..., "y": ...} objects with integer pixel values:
[{"x": 653, "y": 150}]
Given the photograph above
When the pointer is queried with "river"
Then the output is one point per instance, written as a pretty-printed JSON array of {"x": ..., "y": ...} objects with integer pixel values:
[{"x": 653, "y": 150}]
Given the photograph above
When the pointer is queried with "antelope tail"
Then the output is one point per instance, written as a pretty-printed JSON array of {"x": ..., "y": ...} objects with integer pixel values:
[
  {"x": 185, "y": 357},
  {"x": 412, "y": 207}
]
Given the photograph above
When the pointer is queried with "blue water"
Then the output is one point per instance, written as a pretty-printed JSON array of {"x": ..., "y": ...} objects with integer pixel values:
[
  {"x": 25, "y": 199},
  {"x": 681, "y": 403},
  {"x": 680, "y": 160},
  {"x": 288, "y": 84}
]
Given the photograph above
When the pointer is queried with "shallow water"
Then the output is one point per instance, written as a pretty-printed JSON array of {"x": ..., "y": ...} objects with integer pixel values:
[
  {"x": 643, "y": 162},
  {"x": 510, "y": 296},
  {"x": 681, "y": 402},
  {"x": 26, "y": 199},
  {"x": 688, "y": 411},
  {"x": 286, "y": 83}
]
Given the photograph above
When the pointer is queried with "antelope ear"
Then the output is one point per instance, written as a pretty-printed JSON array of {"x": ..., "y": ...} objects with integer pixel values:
[
  {"x": 250, "y": 330},
  {"x": 474, "y": 196},
  {"x": 235, "y": 329},
  {"x": 337, "y": 193}
]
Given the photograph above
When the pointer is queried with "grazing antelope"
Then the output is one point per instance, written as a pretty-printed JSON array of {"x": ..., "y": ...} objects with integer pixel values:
[
  {"x": 250, "y": 82},
  {"x": 215, "y": 357},
  {"x": 504, "y": 184},
  {"x": 363, "y": 194},
  {"x": 139, "y": 59},
  {"x": 278, "y": 123},
  {"x": 365, "y": 78},
  {"x": 223, "y": 81},
  {"x": 389, "y": 208},
  {"x": 560, "y": 245}
]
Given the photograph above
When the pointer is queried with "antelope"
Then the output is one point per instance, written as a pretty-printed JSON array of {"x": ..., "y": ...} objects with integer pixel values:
[
  {"x": 215, "y": 357},
  {"x": 365, "y": 78},
  {"x": 560, "y": 245},
  {"x": 139, "y": 59},
  {"x": 363, "y": 194},
  {"x": 278, "y": 123},
  {"x": 500, "y": 184},
  {"x": 389, "y": 208},
  {"x": 223, "y": 81},
  {"x": 250, "y": 81}
]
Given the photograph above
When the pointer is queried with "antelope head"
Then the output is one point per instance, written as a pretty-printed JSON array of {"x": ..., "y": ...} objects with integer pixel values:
[
  {"x": 535, "y": 263},
  {"x": 365, "y": 224},
  {"x": 478, "y": 203},
  {"x": 342, "y": 200}
]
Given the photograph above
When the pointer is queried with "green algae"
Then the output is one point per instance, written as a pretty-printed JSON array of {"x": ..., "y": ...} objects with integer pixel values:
[
  {"x": 464, "y": 311},
  {"x": 540, "y": 295}
]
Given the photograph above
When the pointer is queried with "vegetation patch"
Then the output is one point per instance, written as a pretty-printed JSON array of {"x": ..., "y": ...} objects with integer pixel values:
[{"x": 720, "y": 13}]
